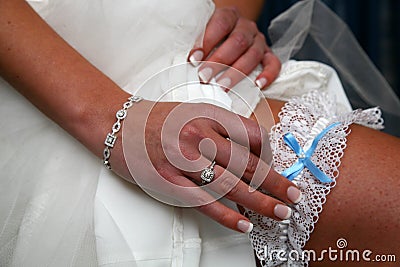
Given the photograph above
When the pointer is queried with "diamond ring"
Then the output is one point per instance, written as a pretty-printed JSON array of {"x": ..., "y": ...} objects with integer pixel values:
[{"x": 207, "y": 175}]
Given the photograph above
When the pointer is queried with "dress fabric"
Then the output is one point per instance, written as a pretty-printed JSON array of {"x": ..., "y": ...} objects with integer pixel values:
[
  {"x": 128, "y": 41},
  {"x": 54, "y": 194}
]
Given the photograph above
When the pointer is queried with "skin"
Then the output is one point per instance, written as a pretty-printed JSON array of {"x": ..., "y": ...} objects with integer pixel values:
[
  {"x": 248, "y": 11},
  {"x": 47, "y": 71},
  {"x": 370, "y": 208},
  {"x": 363, "y": 206},
  {"x": 50, "y": 71},
  {"x": 233, "y": 40}
]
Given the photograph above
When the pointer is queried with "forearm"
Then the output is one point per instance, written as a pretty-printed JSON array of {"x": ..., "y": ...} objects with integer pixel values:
[
  {"x": 54, "y": 77},
  {"x": 250, "y": 10}
]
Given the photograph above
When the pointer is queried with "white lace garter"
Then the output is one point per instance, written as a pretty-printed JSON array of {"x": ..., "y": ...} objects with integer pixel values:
[{"x": 302, "y": 121}]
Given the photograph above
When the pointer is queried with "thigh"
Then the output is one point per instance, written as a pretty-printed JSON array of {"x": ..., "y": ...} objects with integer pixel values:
[{"x": 363, "y": 208}]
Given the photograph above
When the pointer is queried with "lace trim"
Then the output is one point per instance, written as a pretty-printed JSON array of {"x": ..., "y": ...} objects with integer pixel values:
[{"x": 305, "y": 117}]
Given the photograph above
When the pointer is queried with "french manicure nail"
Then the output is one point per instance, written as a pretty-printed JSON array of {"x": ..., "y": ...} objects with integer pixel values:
[
  {"x": 294, "y": 194},
  {"x": 196, "y": 57},
  {"x": 261, "y": 83},
  {"x": 245, "y": 226},
  {"x": 205, "y": 74},
  {"x": 225, "y": 83},
  {"x": 282, "y": 211}
]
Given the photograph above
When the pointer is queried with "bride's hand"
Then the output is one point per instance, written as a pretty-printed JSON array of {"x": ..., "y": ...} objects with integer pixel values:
[
  {"x": 167, "y": 145},
  {"x": 235, "y": 41}
]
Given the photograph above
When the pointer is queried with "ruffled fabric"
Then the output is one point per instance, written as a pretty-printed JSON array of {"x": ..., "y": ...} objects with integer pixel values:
[{"x": 281, "y": 243}]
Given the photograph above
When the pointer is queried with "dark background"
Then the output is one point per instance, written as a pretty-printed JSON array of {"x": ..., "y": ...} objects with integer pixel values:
[{"x": 375, "y": 24}]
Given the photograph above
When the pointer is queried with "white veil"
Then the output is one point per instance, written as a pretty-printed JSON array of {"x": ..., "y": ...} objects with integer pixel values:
[{"x": 309, "y": 30}]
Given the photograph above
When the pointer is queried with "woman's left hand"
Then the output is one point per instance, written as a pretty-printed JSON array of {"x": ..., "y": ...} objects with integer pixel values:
[{"x": 234, "y": 41}]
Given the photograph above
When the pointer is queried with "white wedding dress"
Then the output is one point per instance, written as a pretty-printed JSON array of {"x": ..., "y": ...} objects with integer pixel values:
[
  {"x": 54, "y": 194},
  {"x": 128, "y": 41}
]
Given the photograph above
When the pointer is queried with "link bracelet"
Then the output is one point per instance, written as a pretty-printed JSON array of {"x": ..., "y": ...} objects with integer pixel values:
[{"x": 111, "y": 137}]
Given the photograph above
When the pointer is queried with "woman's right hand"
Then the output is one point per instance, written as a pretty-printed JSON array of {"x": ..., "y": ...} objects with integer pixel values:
[
  {"x": 167, "y": 145},
  {"x": 233, "y": 40}
]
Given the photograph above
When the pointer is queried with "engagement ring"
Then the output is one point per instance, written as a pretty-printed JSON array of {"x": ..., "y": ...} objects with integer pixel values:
[{"x": 207, "y": 175}]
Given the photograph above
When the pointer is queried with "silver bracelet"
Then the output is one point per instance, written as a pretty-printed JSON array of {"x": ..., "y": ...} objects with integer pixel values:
[{"x": 111, "y": 137}]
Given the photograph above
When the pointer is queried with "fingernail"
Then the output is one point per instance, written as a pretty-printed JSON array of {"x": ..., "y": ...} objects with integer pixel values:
[
  {"x": 261, "y": 83},
  {"x": 225, "y": 83},
  {"x": 196, "y": 57},
  {"x": 282, "y": 211},
  {"x": 205, "y": 75},
  {"x": 245, "y": 226},
  {"x": 294, "y": 194}
]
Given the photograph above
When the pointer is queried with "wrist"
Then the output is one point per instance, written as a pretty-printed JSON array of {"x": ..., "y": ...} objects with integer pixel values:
[
  {"x": 112, "y": 136},
  {"x": 93, "y": 120}
]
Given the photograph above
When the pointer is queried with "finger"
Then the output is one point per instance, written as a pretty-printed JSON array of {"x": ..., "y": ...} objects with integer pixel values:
[
  {"x": 242, "y": 163},
  {"x": 245, "y": 64},
  {"x": 241, "y": 130},
  {"x": 272, "y": 67},
  {"x": 219, "y": 27},
  {"x": 195, "y": 56},
  {"x": 245, "y": 132},
  {"x": 228, "y": 185},
  {"x": 226, "y": 217},
  {"x": 238, "y": 42},
  {"x": 209, "y": 206}
]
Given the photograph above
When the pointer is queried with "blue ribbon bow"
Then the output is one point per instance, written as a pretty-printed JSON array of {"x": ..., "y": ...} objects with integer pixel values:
[{"x": 304, "y": 158}]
